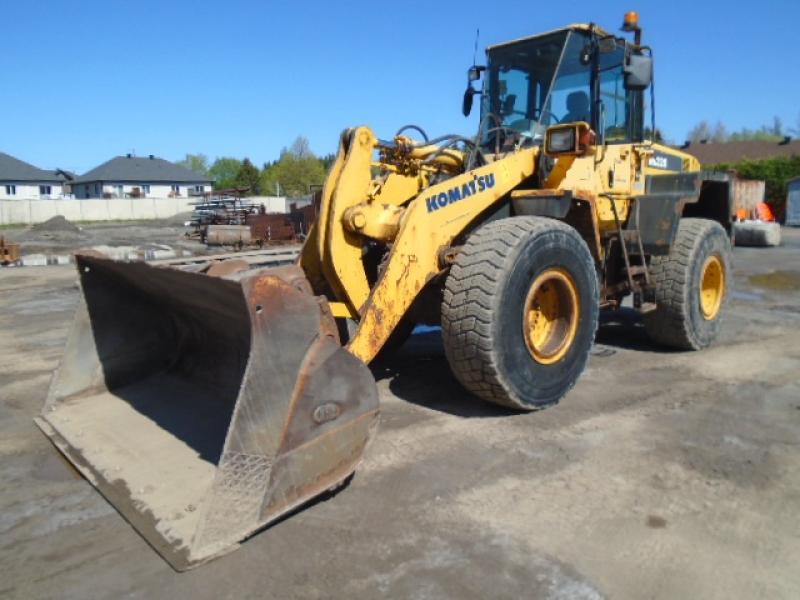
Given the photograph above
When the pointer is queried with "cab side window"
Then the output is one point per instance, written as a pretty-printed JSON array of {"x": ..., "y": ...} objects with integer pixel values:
[{"x": 620, "y": 109}]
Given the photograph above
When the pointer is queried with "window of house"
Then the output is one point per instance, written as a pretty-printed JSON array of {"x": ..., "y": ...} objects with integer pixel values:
[
  {"x": 120, "y": 191},
  {"x": 145, "y": 188},
  {"x": 11, "y": 190},
  {"x": 44, "y": 190},
  {"x": 176, "y": 189},
  {"x": 199, "y": 189}
]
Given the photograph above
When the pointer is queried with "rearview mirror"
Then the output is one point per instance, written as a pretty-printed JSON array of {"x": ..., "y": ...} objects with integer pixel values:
[
  {"x": 638, "y": 72},
  {"x": 466, "y": 106},
  {"x": 474, "y": 73}
]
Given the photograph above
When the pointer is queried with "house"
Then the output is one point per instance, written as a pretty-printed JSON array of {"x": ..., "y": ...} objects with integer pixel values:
[
  {"x": 732, "y": 152},
  {"x": 19, "y": 179},
  {"x": 140, "y": 177}
]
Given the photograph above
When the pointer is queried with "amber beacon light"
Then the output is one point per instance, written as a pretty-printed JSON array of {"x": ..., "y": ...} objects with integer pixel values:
[{"x": 630, "y": 21}]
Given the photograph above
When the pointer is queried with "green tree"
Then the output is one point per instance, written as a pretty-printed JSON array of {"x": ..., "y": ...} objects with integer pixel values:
[
  {"x": 224, "y": 171},
  {"x": 763, "y": 134},
  {"x": 329, "y": 159},
  {"x": 294, "y": 172},
  {"x": 195, "y": 162},
  {"x": 248, "y": 177},
  {"x": 703, "y": 131}
]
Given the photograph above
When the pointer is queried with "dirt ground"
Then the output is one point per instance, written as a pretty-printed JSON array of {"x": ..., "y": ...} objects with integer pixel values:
[
  {"x": 65, "y": 237},
  {"x": 661, "y": 475}
]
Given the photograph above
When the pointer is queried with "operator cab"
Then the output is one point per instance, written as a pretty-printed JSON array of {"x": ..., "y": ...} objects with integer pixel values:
[{"x": 577, "y": 74}]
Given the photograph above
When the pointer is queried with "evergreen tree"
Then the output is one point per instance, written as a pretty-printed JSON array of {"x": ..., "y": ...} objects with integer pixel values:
[{"x": 248, "y": 177}]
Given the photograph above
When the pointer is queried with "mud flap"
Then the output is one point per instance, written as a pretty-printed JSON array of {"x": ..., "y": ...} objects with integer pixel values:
[{"x": 204, "y": 407}]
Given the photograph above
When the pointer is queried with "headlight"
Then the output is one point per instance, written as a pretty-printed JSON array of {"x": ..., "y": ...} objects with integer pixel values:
[{"x": 561, "y": 140}]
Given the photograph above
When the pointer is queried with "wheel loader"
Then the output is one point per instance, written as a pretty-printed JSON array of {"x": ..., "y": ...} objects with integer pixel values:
[{"x": 207, "y": 400}]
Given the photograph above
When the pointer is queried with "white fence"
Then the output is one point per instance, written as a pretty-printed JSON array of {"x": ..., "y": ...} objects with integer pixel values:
[{"x": 29, "y": 211}]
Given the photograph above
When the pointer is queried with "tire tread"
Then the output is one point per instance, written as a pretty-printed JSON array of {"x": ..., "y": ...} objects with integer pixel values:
[
  {"x": 670, "y": 324},
  {"x": 472, "y": 295}
]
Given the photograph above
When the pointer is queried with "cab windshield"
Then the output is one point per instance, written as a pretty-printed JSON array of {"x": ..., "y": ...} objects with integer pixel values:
[
  {"x": 517, "y": 90},
  {"x": 537, "y": 83}
]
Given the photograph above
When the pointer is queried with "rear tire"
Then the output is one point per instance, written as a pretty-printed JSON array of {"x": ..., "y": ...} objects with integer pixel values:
[
  {"x": 493, "y": 299},
  {"x": 691, "y": 285}
]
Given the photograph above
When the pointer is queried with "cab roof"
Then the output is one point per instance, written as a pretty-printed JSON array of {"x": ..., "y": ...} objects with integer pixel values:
[{"x": 573, "y": 27}]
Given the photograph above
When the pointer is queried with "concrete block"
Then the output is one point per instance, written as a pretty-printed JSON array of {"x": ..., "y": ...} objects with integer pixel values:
[
  {"x": 34, "y": 260},
  {"x": 757, "y": 233}
]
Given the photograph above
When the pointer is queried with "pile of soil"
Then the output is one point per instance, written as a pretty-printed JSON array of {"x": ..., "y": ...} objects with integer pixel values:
[{"x": 56, "y": 224}]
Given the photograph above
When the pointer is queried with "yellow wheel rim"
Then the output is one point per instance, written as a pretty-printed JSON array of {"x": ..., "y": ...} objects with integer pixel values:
[
  {"x": 712, "y": 287},
  {"x": 551, "y": 315}
]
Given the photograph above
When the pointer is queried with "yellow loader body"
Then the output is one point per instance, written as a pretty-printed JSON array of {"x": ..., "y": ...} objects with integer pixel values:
[{"x": 207, "y": 400}]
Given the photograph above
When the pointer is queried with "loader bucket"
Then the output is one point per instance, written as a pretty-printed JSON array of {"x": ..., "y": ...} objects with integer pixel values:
[{"x": 204, "y": 407}]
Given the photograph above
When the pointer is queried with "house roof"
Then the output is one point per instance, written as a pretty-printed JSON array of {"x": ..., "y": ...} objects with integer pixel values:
[
  {"x": 13, "y": 169},
  {"x": 732, "y": 152},
  {"x": 141, "y": 169}
]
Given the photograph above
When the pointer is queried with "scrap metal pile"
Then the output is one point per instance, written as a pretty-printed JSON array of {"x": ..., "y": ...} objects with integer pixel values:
[{"x": 238, "y": 222}]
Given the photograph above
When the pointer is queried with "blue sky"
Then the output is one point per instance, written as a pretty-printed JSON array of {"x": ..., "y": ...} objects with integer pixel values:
[{"x": 85, "y": 81}]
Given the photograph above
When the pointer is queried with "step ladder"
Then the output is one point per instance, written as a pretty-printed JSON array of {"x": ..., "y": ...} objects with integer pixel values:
[{"x": 633, "y": 236}]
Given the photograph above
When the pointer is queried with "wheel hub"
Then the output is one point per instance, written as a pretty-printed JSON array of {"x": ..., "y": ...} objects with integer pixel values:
[
  {"x": 712, "y": 287},
  {"x": 551, "y": 315}
]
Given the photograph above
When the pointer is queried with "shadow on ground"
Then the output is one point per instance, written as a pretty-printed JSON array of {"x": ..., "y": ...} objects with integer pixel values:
[
  {"x": 623, "y": 328},
  {"x": 418, "y": 372}
]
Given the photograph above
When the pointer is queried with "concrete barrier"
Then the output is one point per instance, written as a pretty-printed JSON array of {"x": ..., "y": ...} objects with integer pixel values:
[
  {"x": 27, "y": 211},
  {"x": 756, "y": 233}
]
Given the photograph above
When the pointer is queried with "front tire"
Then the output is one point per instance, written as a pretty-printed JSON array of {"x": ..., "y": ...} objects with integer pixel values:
[
  {"x": 519, "y": 312},
  {"x": 691, "y": 285}
]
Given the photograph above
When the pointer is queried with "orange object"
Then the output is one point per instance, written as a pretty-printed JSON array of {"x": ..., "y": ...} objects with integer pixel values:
[
  {"x": 631, "y": 20},
  {"x": 9, "y": 253},
  {"x": 764, "y": 212},
  {"x": 741, "y": 214}
]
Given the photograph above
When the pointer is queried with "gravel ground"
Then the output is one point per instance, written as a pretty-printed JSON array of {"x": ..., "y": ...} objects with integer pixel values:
[
  {"x": 661, "y": 475},
  {"x": 55, "y": 238}
]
